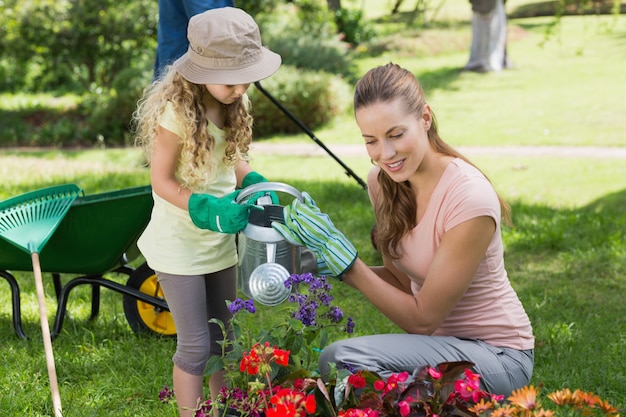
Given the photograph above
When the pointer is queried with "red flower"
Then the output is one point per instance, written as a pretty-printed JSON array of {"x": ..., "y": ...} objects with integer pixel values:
[
  {"x": 260, "y": 358},
  {"x": 310, "y": 404},
  {"x": 472, "y": 378},
  {"x": 281, "y": 356},
  {"x": 356, "y": 380},
  {"x": 469, "y": 387},
  {"x": 358, "y": 412},
  {"x": 379, "y": 385},
  {"x": 250, "y": 363},
  {"x": 467, "y": 391},
  {"x": 291, "y": 403}
]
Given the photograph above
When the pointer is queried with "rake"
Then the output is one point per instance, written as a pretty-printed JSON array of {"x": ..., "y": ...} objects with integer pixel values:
[{"x": 28, "y": 221}]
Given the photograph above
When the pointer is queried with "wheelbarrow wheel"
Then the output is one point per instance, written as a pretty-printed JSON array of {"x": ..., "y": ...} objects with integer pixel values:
[{"x": 144, "y": 317}]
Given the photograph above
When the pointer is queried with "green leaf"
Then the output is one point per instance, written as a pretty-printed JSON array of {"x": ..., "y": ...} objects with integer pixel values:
[{"x": 215, "y": 364}]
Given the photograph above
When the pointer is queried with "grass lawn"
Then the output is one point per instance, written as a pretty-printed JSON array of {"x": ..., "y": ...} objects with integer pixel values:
[
  {"x": 566, "y": 254},
  {"x": 568, "y": 88},
  {"x": 566, "y": 257}
]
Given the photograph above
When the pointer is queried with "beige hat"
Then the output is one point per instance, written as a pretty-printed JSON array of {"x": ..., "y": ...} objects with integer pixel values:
[{"x": 225, "y": 48}]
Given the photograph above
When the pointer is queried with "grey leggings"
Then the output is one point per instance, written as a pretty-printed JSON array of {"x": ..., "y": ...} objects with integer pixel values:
[
  {"x": 193, "y": 300},
  {"x": 502, "y": 370}
]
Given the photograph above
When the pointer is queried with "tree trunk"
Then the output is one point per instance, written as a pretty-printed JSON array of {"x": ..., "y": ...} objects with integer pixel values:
[
  {"x": 489, "y": 27},
  {"x": 334, "y": 5},
  {"x": 396, "y": 7}
]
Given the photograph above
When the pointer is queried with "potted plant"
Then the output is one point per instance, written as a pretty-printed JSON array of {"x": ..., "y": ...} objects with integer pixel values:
[{"x": 273, "y": 369}]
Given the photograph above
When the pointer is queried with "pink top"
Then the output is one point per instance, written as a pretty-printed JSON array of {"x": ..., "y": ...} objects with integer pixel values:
[{"x": 490, "y": 309}]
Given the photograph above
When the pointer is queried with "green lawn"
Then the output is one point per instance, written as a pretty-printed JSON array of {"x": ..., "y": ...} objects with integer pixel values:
[
  {"x": 565, "y": 89},
  {"x": 566, "y": 257}
]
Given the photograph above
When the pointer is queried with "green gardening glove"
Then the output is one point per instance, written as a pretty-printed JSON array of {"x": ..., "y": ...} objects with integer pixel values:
[
  {"x": 254, "y": 177},
  {"x": 222, "y": 215},
  {"x": 306, "y": 225}
]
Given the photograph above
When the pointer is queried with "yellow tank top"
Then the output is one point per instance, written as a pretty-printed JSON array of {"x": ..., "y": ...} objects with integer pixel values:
[{"x": 171, "y": 243}]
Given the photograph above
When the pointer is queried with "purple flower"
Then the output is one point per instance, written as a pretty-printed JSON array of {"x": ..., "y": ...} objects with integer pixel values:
[
  {"x": 350, "y": 326},
  {"x": 238, "y": 304},
  {"x": 295, "y": 279},
  {"x": 249, "y": 305},
  {"x": 166, "y": 394},
  {"x": 306, "y": 313},
  {"x": 235, "y": 306},
  {"x": 204, "y": 410},
  {"x": 335, "y": 314},
  {"x": 349, "y": 367},
  {"x": 324, "y": 298}
]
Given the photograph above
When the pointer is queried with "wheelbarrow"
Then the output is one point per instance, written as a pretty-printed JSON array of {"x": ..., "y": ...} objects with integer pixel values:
[{"x": 97, "y": 236}]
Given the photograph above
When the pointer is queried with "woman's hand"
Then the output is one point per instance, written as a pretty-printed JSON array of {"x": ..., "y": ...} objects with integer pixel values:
[{"x": 306, "y": 225}]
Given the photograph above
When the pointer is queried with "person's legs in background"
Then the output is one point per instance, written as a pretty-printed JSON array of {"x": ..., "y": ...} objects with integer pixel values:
[
  {"x": 174, "y": 17},
  {"x": 489, "y": 36}
]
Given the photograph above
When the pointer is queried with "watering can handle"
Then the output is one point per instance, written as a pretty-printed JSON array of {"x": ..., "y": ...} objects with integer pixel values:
[{"x": 268, "y": 186}]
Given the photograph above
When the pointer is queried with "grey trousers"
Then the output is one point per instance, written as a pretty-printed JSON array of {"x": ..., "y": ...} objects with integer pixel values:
[
  {"x": 193, "y": 300},
  {"x": 502, "y": 370}
]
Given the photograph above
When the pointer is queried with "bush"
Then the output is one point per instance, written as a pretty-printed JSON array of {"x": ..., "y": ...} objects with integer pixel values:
[
  {"x": 317, "y": 48},
  {"x": 255, "y": 7},
  {"x": 112, "y": 109},
  {"x": 57, "y": 44},
  {"x": 314, "y": 98},
  {"x": 41, "y": 124},
  {"x": 100, "y": 118},
  {"x": 352, "y": 25}
]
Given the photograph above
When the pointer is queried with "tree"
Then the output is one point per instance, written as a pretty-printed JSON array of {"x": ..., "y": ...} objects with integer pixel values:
[
  {"x": 334, "y": 5},
  {"x": 80, "y": 39},
  {"x": 489, "y": 33}
]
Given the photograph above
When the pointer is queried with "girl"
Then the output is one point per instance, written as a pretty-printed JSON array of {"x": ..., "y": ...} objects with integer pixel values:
[
  {"x": 443, "y": 279},
  {"x": 195, "y": 126}
]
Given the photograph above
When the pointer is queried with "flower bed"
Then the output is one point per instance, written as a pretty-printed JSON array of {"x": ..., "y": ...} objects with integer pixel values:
[{"x": 274, "y": 374}]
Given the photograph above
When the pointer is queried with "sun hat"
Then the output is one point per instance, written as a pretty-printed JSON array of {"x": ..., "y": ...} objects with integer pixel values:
[{"x": 225, "y": 48}]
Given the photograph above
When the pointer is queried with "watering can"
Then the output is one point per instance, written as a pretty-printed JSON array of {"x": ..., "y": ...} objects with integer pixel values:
[{"x": 266, "y": 259}]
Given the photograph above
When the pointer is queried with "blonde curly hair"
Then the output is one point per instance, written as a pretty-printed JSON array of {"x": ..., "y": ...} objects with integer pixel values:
[{"x": 197, "y": 143}]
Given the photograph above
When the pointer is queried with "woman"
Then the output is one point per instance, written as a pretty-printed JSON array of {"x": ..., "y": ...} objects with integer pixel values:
[{"x": 438, "y": 218}]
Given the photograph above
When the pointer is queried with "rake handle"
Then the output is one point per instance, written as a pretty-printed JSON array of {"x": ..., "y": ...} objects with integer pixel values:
[{"x": 47, "y": 340}]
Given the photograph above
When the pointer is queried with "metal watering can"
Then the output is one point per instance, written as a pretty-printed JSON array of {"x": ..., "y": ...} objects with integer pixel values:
[{"x": 266, "y": 259}]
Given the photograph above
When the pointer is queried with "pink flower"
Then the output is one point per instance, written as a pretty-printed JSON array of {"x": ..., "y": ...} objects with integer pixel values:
[
  {"x": 391, "y": 383},
  {"x": 405, "y": 406},
  {"x": 435, "y": 373},
  {"x": 379, "y": 385},
  {"x": 472, "y": 379},
  {"x": 468, "y": 390}
]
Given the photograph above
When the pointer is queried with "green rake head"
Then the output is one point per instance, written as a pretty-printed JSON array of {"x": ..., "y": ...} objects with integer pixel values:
[{"x": 29, "y": 220}]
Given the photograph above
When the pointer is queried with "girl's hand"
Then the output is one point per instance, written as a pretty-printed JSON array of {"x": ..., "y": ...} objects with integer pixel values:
[{"x": 223, "y": 215}]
